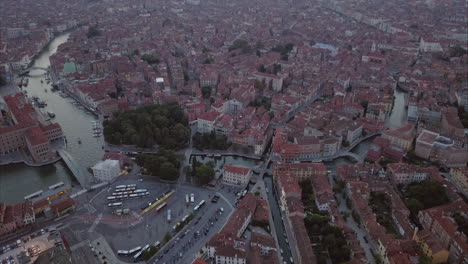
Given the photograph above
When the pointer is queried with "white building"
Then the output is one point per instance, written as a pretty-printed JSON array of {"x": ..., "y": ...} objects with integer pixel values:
[
  {"x": 106, "y": 170},
  {"x": 236, "y": 175}
]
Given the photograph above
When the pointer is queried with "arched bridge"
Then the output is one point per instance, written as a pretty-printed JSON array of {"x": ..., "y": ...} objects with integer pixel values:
[
  {"x": 80, "y": 174},
  {"x": 352, "y": 155}
]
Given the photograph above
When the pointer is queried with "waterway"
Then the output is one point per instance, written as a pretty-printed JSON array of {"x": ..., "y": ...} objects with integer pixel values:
[{"x": 19, "y": 180}]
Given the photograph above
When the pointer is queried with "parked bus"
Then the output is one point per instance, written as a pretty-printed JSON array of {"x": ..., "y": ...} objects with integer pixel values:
[
  {"x": 120, "y": 186},
  {"x": 137, "y": 255},
  {"x": 187, "y": 200},
  {"x": 111, "y": 198},
  {"x": 185, "y": 218},
  {"x": 131, "y": 185},
  {"x": 160, "y": 207},
  {"x": 114, "y": 204},
  {"x": 140, "y": 191},
  {"x": 169, "y": 215},
  {"x": 199, "y": 205},
  {"x": 122, "y": 252},
  {"x": 133, "y": 250}
]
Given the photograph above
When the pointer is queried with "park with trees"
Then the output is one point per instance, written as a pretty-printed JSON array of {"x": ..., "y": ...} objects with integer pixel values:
[{"x": 164, "y": 125}]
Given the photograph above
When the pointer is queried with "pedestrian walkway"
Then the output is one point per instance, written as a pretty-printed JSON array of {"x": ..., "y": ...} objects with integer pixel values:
[{"x": 95, "y": 223}]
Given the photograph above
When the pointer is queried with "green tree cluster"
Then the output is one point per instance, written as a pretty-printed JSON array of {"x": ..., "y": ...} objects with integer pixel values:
[
  {"x": 241, "y": 44},
  {"x": 206, "y": 92},
  {"x": 150, "y": 59},
  {"x": 203, "y": 173},
  {"x": 261, "y": 101},
  {"x": 210, "y": 141},
  {"x": 93, "y": 31},
  {"x": 150, "y": 252},
  {"x": 283, "y": 50},
  {"x": 424, "y": 195},
  {"x": 163, "y": 124},
  {"x": 164, "y": 164}
]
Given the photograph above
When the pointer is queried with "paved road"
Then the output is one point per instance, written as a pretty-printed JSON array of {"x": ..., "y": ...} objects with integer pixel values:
[{"x": 185, "y": 246}]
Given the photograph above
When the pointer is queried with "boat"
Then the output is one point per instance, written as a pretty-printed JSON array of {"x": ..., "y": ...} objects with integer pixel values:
[
  {"x": 51, "y": 114},
  {"x": 45, "y": 90},
  {"x": 42, "y": 81},
  {"x": 79, "y": 140}
]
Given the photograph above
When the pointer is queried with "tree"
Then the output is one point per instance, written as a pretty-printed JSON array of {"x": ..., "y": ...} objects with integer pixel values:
[
  {"x": 424, "y": 259},
  {"x": 414, "y": 206},
  {"x": 204, "y": 174},
  {"x": 168, "y": 171},
  {"x": 167, "y": 238},
  {"x": 206, "y": 92},
  {"x": 93, "y": 31},
  {"x": 150, "y": 59}
]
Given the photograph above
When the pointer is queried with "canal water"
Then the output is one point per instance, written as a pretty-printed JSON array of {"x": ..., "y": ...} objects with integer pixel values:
[{"x": 19, "y": 180}]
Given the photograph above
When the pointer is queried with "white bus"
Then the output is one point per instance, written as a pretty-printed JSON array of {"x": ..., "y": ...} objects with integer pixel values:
[
  {"x": 185, "y": 218},
  {"x": 131, "y": 185},
  {"x": 122, "y": 252},
  {"x": 137, "y": 255},
  {"x": 157, "y": 244},
  {"x": 111, "y": 198},
  {"x": 140, "y": 191},
  {"x": 133, "y": 250},
  {"x": 114, "y": 204},
  {"x": 120, "y": 186},
  {"x": 187, "y": 200},
  {"x": 199, "y": 205}
]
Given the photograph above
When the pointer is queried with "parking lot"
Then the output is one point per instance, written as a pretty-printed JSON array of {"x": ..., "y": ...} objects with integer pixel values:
[
  {"x": 27, "y": 248},
  {"x": 93, "y": 217}
]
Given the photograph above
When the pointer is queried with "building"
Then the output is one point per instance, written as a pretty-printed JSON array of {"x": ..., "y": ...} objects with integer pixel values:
[
  {"x": 229, "y": 255},
  {"x": 402, "y": 173},
  {"x": 15, "y": 217},
  {"x": 301, "y": 171},
  {"x": 236, "y": 175},
  {"x": 22, "y": 128},
  {"x": 229, "y": 246},
  {"x": 63, "y": 207},
  {"x": 460, "y": 177},
  {"x": 433, "y": 146},
  {"x": 401, "y": 137},
  {"x": 106, "y": 170},
  {"x": 431, "y": 246}
]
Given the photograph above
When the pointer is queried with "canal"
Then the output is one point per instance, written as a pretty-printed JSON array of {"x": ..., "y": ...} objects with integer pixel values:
[{"x": 19, "y": 180}]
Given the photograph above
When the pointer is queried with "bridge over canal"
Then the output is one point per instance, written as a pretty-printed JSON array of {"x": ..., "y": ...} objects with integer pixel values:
[{"x": 78, "y": 171}]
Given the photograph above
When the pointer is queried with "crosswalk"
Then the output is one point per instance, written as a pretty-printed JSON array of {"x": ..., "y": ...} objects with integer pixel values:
[{"x": 95, "y": 223}]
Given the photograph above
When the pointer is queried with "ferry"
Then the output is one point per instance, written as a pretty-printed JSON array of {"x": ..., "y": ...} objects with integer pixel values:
[{"x": 51, "y": 114}]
